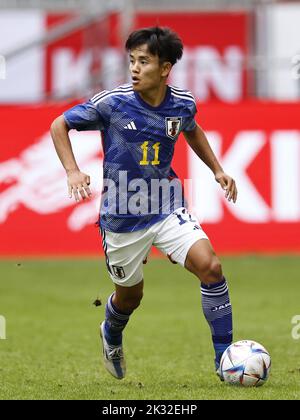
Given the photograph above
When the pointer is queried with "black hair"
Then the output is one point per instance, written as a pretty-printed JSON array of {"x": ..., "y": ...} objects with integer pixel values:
[{"x": 160, "y": 41}]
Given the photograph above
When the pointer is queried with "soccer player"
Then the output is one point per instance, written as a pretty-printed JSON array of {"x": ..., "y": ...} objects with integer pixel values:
[{"x": 140, "y": 123}]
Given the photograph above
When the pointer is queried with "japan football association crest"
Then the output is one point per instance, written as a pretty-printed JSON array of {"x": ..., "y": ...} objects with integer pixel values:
[
  {"x": 173, "y": 125},
  {"x": 118, "y": 271}
]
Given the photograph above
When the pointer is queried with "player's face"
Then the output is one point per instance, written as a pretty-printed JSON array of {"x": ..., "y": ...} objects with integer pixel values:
[{"x": 147, "y": 73}]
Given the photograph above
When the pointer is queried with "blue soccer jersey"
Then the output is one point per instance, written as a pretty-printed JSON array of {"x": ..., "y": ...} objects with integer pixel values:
[{"x": 138, "y": 144}]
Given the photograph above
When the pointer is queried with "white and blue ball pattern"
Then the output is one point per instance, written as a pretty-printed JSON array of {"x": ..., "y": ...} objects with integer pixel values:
[{"x": 246, "y": 363}]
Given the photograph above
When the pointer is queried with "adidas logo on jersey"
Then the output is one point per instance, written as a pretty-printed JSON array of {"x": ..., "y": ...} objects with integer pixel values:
[{"x": 130, "y": 126}]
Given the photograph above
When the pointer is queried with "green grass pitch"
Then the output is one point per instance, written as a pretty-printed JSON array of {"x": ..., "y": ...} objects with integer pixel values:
[{"x": 52, "y": 348}]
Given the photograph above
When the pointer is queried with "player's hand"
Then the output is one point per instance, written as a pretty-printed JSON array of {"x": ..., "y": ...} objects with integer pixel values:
[
  {"x": 228, "y": 184},
  {"x": 78, "y": 183}
]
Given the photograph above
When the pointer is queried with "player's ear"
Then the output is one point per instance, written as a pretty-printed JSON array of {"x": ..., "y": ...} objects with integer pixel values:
[{"x": 165, "y": 68}]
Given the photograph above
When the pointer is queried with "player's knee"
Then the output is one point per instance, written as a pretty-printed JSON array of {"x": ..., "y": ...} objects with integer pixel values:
[
  {"x": 130, "y": 303},
  {"x": 211, "y": 271},
  {"x": 216, "y": 270}
]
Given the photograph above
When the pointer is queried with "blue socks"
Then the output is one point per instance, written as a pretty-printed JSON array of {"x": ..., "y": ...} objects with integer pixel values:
[
  {"x": 217, "y": 311},
  {"x": 115, "y": 322},
  {"x": 216, "y": 308}
]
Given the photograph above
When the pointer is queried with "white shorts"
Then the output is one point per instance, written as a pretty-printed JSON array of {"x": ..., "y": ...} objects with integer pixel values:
[{"x": 126, "y": 252}]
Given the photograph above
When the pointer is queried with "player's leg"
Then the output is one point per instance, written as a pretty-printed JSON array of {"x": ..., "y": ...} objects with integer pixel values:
[
  {"x": 182, "y": 239},
  {"x": 119, "y": 307},
  {"x": 202, "y": 261},
  {"x": 125, "y": 253},
  {"x": 127, "y": 299}
]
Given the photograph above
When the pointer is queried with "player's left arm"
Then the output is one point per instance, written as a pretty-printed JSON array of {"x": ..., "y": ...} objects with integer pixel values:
[{"x": 197, "y": 140}]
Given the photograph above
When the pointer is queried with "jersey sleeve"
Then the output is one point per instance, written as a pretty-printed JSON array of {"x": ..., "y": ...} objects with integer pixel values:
[
  {"x": 83, "y": 117},
  {"x": 91, "y": 115},
  {"x": 190, "y": 123}
]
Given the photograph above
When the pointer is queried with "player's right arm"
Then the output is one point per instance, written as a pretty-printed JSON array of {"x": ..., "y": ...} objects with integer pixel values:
[
  {"x": 197, "y": 140},
  {"x": 78, "y": 182}
]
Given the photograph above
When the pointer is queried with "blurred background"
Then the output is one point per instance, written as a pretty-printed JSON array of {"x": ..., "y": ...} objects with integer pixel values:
[{"x": 242, "y": 63}]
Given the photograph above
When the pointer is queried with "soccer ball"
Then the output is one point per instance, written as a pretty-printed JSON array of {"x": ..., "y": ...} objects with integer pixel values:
[{"x": 245, "y": 363}]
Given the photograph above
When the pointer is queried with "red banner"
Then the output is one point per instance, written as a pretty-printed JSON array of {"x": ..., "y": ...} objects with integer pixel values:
[
  {"x": 212, "y": 66},
  {"x": 259, "y": 144},
  {"x": 215, "y": 48},
  {"x": 93, "y": 57}
]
